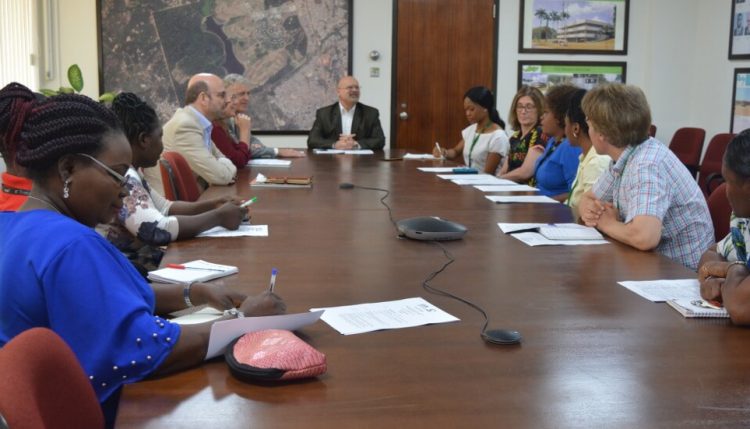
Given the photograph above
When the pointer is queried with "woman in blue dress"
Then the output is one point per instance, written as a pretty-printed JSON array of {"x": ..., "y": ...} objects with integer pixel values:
[{"x": 57, "y": 272}]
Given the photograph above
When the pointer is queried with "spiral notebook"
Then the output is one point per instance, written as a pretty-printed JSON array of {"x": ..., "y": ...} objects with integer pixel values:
[
  {"x": 696, "y": 308},
  {"x": 194, "y": 271}
]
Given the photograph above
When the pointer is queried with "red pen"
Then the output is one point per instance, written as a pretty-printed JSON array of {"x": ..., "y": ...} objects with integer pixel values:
[{"x": 183, "y": 267}]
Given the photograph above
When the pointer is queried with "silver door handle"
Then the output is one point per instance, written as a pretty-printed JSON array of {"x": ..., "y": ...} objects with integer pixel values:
[{"x": 403, "y": 115}]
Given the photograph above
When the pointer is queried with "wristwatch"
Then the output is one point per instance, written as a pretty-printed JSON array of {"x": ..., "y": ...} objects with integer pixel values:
[{"x": 237, "y": 314}]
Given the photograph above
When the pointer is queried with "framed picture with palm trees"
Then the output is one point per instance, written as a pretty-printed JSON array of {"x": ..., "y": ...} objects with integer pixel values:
[{"x": 574, "y": 27}]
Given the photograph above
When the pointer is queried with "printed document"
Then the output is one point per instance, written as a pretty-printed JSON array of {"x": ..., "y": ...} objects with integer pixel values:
[
  {"x": 664, "y": 290},
  {"x": 436, "y": 169},
  {"x": 270, "y": 163},
  {"x": 520, "y": 199},
  {"x": 511, "y": 187},
  {"x": 242, "y": 231},
  {"x": 420, "y": 156},
  {"x": 404, "y": 313}
]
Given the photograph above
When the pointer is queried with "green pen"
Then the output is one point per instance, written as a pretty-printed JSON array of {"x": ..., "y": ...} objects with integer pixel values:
[{"x": 248, "y": 202}]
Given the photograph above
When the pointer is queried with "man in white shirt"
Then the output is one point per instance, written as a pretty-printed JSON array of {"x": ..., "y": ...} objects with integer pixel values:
[{"x": 347, "y": 124}]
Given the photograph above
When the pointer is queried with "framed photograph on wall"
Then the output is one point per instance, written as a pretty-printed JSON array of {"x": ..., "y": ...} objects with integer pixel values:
[
  {"x": 739, "y": 30},
  {"x": 583, "y": 74},
  {"x": 740, "y": 101},
  {"x": 292, "y": 52},
  {"x": 574, "y": 26}
]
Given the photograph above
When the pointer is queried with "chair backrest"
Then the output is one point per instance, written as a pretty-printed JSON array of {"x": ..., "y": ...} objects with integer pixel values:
[
  {"x": 711, "y": 164},
  {"x": 182, "y": 180},
  {"x": 687, "y": 144},
  {"x": 721, "y": 211},
  {"x": 652, "y": 130},
  {"x": 42, "y": 384},
  {"x": 168, "y": 179}
]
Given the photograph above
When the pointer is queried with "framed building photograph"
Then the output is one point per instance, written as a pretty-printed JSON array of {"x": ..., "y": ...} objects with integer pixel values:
[
  {"x": 740, "y": 101},
  {"x": 583, "y": 74},
  {"x": 739, "y": 30},
  {"x": 574, "y": 26},
  {"x": 293, "y": 52}
]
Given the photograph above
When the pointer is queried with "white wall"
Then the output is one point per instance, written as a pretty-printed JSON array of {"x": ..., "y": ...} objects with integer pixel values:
[{"x": 677, "y": 52}]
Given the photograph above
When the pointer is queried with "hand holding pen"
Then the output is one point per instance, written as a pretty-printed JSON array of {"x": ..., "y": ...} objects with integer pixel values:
[
  {"x": 265, "y": 304},
  {"x": 438, "y": 151}
]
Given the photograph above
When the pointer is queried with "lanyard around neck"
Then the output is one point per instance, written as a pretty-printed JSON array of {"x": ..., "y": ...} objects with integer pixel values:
[{"x": 476, "y": 137}]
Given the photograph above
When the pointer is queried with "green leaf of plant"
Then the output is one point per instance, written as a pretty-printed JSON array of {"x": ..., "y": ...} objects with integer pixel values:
[
  {"x": 48, "y": 92},
  {"x": 107, "y": 97},
  {"x": 66, "y": 90},
  {"x": 75, "y": 77}
]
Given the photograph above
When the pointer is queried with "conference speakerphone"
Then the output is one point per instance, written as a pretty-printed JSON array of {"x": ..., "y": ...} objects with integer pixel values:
[{"x": 430, "y": 228}]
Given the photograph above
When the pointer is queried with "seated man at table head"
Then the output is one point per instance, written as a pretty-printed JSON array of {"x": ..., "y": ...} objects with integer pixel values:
[
  {"x": 347, "y": 124},
  {"x": 147, "y": 220},
  {"x": 189, "y": 133},
  {"x": 57, "y": 272},
  {"x": 646, "y": 198},
  {"x": 15, "y": 184},
  {"x": 484, "y": 144},
  {"x": 723, "y": 269},
  {"x": 232, "y": 134}
]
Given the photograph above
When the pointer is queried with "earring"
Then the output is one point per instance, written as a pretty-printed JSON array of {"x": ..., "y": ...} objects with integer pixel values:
[
  {"x": 575, "y": 135},
  {"x": 66, "y": 189}
]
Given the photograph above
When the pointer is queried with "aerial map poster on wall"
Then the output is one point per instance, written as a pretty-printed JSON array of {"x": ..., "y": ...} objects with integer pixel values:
[{"x": 292, "y": 51}]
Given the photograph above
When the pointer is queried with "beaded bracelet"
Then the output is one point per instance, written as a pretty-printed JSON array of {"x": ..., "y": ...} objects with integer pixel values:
[{"x": 743, "y": 263}]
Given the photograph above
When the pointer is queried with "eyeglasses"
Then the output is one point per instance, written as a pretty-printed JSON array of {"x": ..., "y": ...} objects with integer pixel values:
[
  {"x": 119, "y": 178},
  {"x": 525, "y": 107}
]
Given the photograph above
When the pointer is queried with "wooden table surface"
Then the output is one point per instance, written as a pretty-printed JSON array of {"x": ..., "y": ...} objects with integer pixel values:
[{"x": 593, "y": 353}]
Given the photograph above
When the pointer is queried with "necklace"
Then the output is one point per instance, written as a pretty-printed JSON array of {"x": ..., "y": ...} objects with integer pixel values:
[{"x": 47, "y": 203}]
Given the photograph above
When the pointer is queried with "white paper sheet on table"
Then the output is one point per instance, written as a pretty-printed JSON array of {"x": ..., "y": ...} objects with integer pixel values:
[
  {"x": 420, "y": 156},
  {"x": 270, "y": 163},
  {"x": 511, "y": 187},
  {"x": 537, "y": 239},
  {"x": 436, "y": 169},
  {"x": 224, "y": 332},
  {"x": 242, "y": 231},
  {"x": 663, "y": 290},
  {"x": 476, "y": 182},
  {"x": 520, "y": 199},
  {"x": 468, "y": 177},
  {"x": 404, "y": 313},
  {"x": 344, "y": 152}
]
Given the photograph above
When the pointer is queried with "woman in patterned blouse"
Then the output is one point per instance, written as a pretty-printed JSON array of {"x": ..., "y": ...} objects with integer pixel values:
[
  {"x": 723, "y": 269},
  {"x": 147, "y": 220},
  {"x": 527, "y": 141}
]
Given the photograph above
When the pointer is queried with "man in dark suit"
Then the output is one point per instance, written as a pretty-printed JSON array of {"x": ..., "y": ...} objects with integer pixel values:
[{"x": 347, "y": 124}]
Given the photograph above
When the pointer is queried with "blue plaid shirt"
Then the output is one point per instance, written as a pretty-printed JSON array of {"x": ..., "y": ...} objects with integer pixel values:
[{"x": 649, "y": 180}]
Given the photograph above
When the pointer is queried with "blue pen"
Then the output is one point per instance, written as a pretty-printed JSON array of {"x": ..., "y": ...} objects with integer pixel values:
[{"x": 273, "y": 279}]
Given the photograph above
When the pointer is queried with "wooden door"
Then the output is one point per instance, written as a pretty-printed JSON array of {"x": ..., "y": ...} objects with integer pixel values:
[{"x": 442, "y": 48}]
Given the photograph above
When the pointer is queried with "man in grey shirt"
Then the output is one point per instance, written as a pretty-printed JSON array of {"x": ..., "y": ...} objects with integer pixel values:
[{"x": 238, "y": 88}]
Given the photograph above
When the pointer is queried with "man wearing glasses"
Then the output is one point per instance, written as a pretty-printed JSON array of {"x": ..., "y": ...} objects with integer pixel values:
[
  {"x": 347, "y": 124},
  {"x": 189, "y": 133},
  {"x": 233, "y": 135}
]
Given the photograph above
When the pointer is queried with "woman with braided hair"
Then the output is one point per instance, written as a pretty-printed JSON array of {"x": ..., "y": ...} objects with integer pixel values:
[
  {"x": 147, "y": 219},
  {"x": 57, "y": 272},
  {"x": 15, "y": 186}
]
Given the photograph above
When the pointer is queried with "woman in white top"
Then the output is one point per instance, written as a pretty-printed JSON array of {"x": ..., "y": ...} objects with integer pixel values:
[{"x": 484, "y": 143}]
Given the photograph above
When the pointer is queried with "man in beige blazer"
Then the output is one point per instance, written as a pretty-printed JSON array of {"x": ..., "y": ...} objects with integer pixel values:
[{"x": 189, "y": 133}]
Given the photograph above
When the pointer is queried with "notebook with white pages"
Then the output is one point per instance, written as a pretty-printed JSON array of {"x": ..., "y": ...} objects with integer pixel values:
[
  {"x": 569, "y": 232},
  {"x": 697, "y": 308},
  {"x": 192, "y": 272}
]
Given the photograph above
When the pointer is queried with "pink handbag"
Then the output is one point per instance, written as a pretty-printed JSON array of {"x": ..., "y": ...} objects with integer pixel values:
[{"x": 273, "y": 354}]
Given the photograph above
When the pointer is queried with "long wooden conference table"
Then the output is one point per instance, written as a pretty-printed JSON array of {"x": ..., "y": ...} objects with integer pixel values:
[{"x": 593, "y": 353}]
